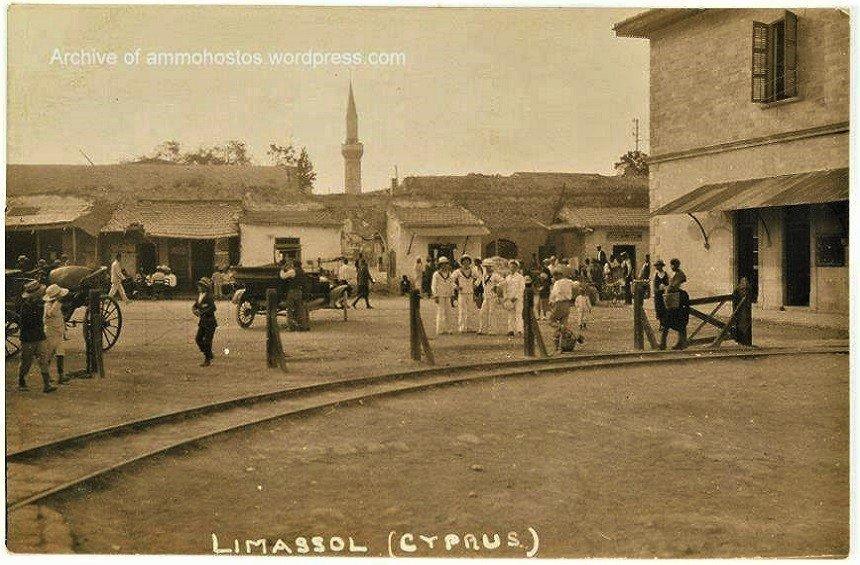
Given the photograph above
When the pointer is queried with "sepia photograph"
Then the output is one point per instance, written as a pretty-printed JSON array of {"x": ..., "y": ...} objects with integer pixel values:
[{"x": 449, "y": 282}]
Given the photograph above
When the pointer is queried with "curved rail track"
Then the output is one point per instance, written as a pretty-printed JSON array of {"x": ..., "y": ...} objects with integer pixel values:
[{"x": 74, "y": 464}]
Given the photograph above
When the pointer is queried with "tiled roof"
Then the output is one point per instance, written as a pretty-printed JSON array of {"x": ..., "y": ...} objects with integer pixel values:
[
  {"x": 302, "y": 213},
  {"x": 418, "y": 214},
  {"x": 582, "y": 217},
  {"x": 527, "y": 200},
  {"x": 52, "y": 210},
  {"x": 176, "y": 218},
  {"x": 157, "y": 181}
]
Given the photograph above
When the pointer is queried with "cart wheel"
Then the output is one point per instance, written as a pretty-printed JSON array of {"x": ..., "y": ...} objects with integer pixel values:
[
  {"x": 111, "y": 322},
  {"x": 245, "y": 313},
  {"x": 13, "y": 334}
]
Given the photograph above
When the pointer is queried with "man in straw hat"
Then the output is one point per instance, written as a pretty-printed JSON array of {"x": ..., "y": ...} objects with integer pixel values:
[
  {"x": 442, "y": 290},
  {"x": 32, "y": 327},
  {"x": 55, "y": 327},
  {"x": 515, "y": 287},
  {"x": 204, "y": 308}
]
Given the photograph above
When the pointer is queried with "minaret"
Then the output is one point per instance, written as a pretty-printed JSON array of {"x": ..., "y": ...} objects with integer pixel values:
[{"x": 352, "y": 150}]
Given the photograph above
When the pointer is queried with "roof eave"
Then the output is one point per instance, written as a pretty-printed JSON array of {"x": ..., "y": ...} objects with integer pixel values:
[{"x": 643, "y": 25}]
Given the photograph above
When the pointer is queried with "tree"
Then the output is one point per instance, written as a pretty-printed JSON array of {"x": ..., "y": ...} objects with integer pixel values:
[
  {"x": 633, "y": 163},
  {"x": 234, "y": 152},
  {"x": 285, "y": 156}
]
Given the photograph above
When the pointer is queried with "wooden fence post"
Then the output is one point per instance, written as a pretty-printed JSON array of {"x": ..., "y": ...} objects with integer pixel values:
[
  {"x": 95, "y": 360},
  {"x": 743, "y": 320},
  {"x": 639, "y": 314},
  {"x": 528, "y": 314},
  {"x": 414, "y": 338},
  {"x": 274, "y": 348}
]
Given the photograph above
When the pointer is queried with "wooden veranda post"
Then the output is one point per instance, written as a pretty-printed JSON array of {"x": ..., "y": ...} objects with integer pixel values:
[
  {"x": 528, "y": 314},
  {"x": 639, "y": 288},
  {"x": 274, "y": 348},
  {"x": 741, "y": 302}
]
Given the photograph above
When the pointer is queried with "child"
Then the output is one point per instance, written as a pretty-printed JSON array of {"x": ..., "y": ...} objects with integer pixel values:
[
  {"x": 405, "y": 285},
  {"x": 55, "y": 328},
  {"x": 544, "y": 288},
  {"x": 582, "y": 303},
  {"x": 204, "y": 308}
]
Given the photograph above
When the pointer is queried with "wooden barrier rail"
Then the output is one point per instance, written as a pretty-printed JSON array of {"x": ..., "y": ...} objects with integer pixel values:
[{"x": 738, "y": 327}]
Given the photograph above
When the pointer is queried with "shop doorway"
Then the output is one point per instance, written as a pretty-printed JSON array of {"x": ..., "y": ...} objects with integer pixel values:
[
  {"x": 147, "y": 257},
  {"x": 746, "y": 249},
  {"x": 617, "y": 250},
  {"x": 796, "y": 256},
  {"x": 202, "y": 258},
  {"x": 436, "y": 250}
]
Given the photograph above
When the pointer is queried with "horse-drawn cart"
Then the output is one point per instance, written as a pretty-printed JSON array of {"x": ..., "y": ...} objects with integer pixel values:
[
  {"x": 79, "y": 280},
  {"x": 319, "y": 291}
]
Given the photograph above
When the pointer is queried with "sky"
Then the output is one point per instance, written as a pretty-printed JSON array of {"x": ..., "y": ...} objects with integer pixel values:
[{"x": 490, "y": 91}]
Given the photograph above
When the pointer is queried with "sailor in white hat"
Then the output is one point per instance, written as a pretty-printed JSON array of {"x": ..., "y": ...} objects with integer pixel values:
[
  {"x": 465, "y": 280},
  {"x": 442, "y": 291},
  {"x": 515, "y": 287}
]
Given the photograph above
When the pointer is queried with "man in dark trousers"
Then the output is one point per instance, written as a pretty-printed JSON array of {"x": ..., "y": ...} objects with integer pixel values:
[
  {"x": 364, "y": 281},
  {"x": 601, "y": 256},
  {"x": 33, "y": 340},
  {"x": 204, "y": 308}
]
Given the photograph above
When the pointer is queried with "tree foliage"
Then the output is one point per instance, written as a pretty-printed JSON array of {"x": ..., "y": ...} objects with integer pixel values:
[
  {"x": 234, "y": 152},
  {"x": 633, "y": 163},
  {"x": 285, "y": 156}
]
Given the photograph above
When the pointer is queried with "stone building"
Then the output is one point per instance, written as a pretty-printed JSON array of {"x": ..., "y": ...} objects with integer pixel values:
[{"x": 749, "y": 150}]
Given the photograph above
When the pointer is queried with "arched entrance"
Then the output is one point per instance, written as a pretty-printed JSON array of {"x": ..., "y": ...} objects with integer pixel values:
[{"x": 502, "y": 247}]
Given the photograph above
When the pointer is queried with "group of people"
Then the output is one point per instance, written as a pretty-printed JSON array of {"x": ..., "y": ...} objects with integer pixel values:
[
  {"x": 42, "y": 268},
  {"x": 162, "y": 282},
  {"x": 43, "y": 332}
]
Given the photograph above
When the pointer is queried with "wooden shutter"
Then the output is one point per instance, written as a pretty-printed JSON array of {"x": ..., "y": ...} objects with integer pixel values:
[
  {"x": 789, "y": 69},
  {"x": 761, "y": 80}
]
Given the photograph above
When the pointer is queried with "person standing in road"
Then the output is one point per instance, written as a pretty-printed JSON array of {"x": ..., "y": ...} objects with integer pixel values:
[
  {"x": 55, "y": 328},
  {"x": 493, "y": 285},
  {"x": 442, "y": 291},
  {"x": 677, "y": 314},
  {"x": 204, "y": 308},
  {"x": 515, "y": 287},
  {"x": 116, "y": 278},
  {"x": 465, "y": 279},
  {"x": 601, "y": 256},
  {"x": 33, "y": 339},
  {"x": 363, "y": 280},
  {"x": 417, "y": 274},
  {"x": 645, "y": 274}
]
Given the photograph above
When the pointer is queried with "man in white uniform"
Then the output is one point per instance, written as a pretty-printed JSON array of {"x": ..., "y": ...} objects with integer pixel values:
[
  {"x": 442, "y": 290},
  {"x": 515, "y": 287},
  {"x": 465, "y": 279},
  {"x": 116, "y": 278},
  {"x": 493, "y": 289}
]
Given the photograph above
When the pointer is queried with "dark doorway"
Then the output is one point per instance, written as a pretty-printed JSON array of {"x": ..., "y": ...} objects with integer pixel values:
[
  {"x": 617, "y": 250},
  {"x": 20, "y": 243},
  {"x": 202, "y": 258},
  {"x": 436, "y": 250},
  {"x": 796, "y": 256},
  {"x": 504, "y": 248},
  {"x": 746, "y": 249},
  {"x": 147, "y": 257}
]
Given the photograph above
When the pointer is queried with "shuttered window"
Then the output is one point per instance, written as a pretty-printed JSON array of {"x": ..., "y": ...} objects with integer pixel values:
[{"x": 774, "y": 59}]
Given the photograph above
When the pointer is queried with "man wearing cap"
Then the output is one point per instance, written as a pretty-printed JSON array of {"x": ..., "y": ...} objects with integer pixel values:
[
  {"x": 204, "y": 308},
  {"x": 515, "y": 287},
  {"x": 465, "y": 279},
  {"x": 32, "y": 333},
  {"x": 442, "y": 290},
  {"x": 661, "y": 283},
  {"x": 55, "y": 327}
]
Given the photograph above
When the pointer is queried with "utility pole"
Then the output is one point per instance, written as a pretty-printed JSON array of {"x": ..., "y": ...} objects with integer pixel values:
[{"x": 636, "y": 132}]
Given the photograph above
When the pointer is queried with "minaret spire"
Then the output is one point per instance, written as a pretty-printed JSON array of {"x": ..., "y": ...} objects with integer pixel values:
[{"x": 352, "y": 149}]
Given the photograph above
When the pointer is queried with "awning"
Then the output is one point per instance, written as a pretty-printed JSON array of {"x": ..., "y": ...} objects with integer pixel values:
[
  {"x": 817, "y": 187},
  {"x": 450, "y": 231}
]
